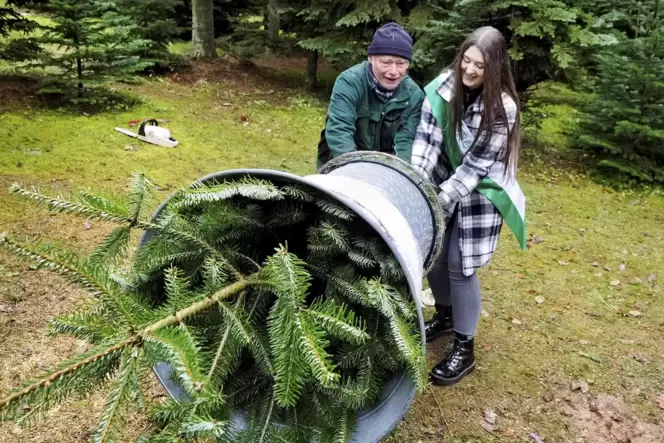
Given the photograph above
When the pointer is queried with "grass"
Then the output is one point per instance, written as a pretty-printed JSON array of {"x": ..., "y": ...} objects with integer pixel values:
[{"x": 588, "y": 327}]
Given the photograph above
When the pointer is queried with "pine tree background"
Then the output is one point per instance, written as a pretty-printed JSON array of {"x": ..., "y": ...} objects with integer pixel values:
[
  {"x": 624, "y": 125},
  {"x": 97, "y": 44},
  {"x": 298, "y": 332}
]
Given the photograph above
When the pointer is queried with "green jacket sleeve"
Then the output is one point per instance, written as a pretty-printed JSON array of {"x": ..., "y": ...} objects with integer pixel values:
[
  {"x": 341, "y": 117},
  {"x": 403, "y": 140}
]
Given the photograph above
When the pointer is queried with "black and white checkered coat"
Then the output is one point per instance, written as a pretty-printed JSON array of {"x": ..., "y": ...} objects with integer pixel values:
[{"x": 479, "y": 220}]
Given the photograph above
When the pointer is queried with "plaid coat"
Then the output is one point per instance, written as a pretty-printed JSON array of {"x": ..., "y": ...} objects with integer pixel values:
[{"x": 480, "y": 221}]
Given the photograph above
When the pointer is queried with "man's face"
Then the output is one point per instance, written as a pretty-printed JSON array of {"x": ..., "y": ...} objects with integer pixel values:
[{"x": 389, "y": 69}]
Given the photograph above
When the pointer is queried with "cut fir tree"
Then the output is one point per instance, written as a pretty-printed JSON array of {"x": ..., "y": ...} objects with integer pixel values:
[{"x": 263, "y": 297}]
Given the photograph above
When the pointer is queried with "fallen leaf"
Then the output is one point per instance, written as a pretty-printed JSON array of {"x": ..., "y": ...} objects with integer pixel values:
[
  {"x": 535, "y": 438},
  {"x": 596, "y": 265},
  {"x": 535, "y": 240},
  {"x": 580, "y": 386},
  {"x": 635, "y": 281},
  {"x": 244, "y": 118},
  {"x": 516, "y": 321},
  {"x": 539, "y": 299},
  {"x": 130, "y": 148},
  {"x": 652, "y": 278},
  {"x": 615, "y": 282},
  {"x": 508, "y": 432},
  {"x": 490, "y": 416},
  {"x": 87, "y": 225},
  {"x": 532, "y": 291},
  {"x": 521, "y": 276},
  {"x": 659, "y": 400},
  {"x": 636, "y": 313},
  {"x": 562, "y": 263},
  {"x": 487, "y": 427},
  {"x": 638, "y": 357}
]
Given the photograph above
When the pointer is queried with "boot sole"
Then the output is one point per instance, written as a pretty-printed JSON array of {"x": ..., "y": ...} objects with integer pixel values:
[
  {"x": 440, "y": 381},
  {"x": 439, "y": 334}
]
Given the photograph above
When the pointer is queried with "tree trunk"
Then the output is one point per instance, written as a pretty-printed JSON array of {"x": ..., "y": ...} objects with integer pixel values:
[
  {"x": 202, "y": 29},
  {"x": 273, "y": 22},
  {"x": 312, "y": 69}
]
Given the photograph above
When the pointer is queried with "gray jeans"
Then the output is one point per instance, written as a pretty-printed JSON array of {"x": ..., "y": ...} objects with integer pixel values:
[{"x": 450, "y": 287}]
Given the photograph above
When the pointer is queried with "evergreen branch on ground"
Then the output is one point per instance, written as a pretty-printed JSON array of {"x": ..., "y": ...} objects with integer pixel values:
[
  {"x": 81, "y": 375},
  {"x": 119, "y": 400},
  {"x": 91, "y": 278}
]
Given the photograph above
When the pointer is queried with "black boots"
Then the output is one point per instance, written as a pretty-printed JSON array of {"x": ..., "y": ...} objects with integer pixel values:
[
  {"x": 440, "y": 324},
  {"x": 459, "y": 362}
]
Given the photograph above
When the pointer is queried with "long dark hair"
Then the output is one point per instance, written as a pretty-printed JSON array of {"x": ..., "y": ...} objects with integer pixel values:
[{"x": 497, "y": 79}]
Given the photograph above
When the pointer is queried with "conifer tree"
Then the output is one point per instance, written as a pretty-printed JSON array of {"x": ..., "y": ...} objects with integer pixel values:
[
  {"x": 298, "y": 331},
  {"x": 98, "y": 45},
  {"x": 624, "y": 125},
  {"x": 155, "y": 22},
  {"x": 547, "y": 38},
  {"x": 21, "y": 46}
]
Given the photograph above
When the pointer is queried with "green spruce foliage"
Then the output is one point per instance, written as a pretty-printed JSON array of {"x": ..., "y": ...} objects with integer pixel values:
[
  {"x": 624, "y": 125},
  {"x": 262, "y": 296},
  {"x": 547, "y": 38},
  {"x": 97, "y": 44}
]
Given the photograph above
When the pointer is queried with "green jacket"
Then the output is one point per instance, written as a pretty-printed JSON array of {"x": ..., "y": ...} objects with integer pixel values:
[{"x": 359, "y": 119}]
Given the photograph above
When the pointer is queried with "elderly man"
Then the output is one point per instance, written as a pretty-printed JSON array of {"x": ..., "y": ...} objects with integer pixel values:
[{"x": 375, "y": 106}]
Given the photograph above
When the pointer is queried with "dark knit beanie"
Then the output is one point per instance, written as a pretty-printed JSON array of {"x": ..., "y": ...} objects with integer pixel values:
[{"x": 391, "y": 39}]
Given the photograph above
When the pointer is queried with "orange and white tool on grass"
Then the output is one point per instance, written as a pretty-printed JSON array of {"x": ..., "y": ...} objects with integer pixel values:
[{"x": 151, "y": 132}]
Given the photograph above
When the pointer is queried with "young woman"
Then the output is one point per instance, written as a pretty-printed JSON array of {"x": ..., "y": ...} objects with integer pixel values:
[{"x": 467, "y": 142}]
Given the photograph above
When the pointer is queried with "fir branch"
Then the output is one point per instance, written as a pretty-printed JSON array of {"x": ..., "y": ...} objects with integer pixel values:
[
  {"x": 170, "y": 411},
  {"x": 289, "y": 279},
  {"x": 202, "y": 305},
  {"x": 84, "y": 196},
  {"x": 83, "y": 209},
  {"x": 332, "y": 234},
  {"x": 335, "y": 209},
  {"x": 215, "y": 273},
  {"x": 338, "y": 321},
  {"x": 82, "y": 374},
  {"x": 140, "y": 191},
  {"x": 344, "y": 426},
  {"x": 175, "y": 346},
  {"x": 267, "y": 421},
  {"x": 361, "y": 260},
  {"x": 125, "y": 388},
  {"x": 112, "y": 248},
  {"x": 260, "y": 350},
  {"x": 236, "y": 335},
  {"x": 91, "y": 278},
  {"x": 313, "y": 344},
  {"x": 205, "y": 193},
  {"x": 94, "y": 326},
  {"x": 287, "y": 214},
  {"x": 203, "y": 427},
  {"x": 297, "y": 192},
  {"x": 237, "y": 321}
]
